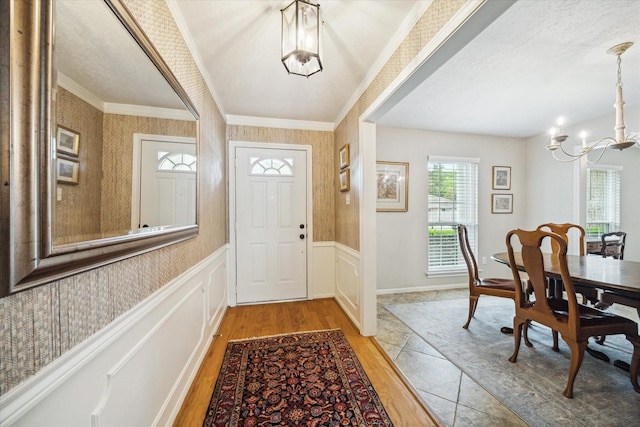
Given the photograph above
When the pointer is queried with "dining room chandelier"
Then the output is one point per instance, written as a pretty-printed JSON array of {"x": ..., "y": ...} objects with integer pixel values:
[
  {"x": 302, "y": 38},
  {"x": 621, "y": 140}
]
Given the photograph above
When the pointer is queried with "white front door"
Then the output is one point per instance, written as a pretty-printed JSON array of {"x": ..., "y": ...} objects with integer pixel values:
[
  {"x": 167, "y": 183},
  {"x": 271, "y": 227}
]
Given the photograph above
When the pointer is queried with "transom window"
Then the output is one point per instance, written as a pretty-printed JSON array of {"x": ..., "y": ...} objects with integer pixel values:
[
  {"x": 271, "y": 166},
  {"x": 182, "y": 162}
]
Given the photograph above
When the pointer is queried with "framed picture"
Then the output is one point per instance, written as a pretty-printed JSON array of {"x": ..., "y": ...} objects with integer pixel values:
[
  {"x": 502, "y": 203},
  {"x": 502, "y": 177},
  {"x": 392, "y": 180},
  {"x": 345, "y": 180},
  {"x": 344, "y": 156},
  {"x": 67, "y": 171},
  {"x": 67, "y": 141}
]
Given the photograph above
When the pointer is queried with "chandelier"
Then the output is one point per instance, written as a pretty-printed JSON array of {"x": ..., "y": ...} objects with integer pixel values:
[
  {"x": 621, "y": 140},
  {"x": 301, "y": 38}
]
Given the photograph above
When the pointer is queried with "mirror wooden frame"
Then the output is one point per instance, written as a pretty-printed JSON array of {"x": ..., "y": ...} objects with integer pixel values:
[{"x": 27, "y": 255}]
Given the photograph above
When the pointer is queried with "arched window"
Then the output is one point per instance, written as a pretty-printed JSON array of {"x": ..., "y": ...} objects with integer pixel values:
[
  {"x": 182, "y": 162},
  {"x": 270, "y": 166}
]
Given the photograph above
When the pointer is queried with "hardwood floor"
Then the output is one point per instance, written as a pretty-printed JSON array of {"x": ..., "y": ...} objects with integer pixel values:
[{"x": 403, "y": 407}]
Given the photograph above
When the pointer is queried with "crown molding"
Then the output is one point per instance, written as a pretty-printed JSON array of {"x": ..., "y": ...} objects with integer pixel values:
[
  {"x": 145, "y": 111},
  {"x": 279, "y": 123},
  {"x": 80, "y": 91}
]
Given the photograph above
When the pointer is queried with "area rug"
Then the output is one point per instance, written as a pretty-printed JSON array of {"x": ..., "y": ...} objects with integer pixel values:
[
  {"x": 305, "y": 379},
  {"x": 532, "y": 387}
]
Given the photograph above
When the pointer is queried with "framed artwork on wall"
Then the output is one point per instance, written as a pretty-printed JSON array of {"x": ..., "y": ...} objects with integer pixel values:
[
  {"x": 67, "y": 141},
  {"x": 67, "y": 171},
  {"x": 344, "y": 180},
  {"x": 344, "y": 156},
  {"x": 392, "y": 181},
  {"x": 502, "y": 203},
  {"x": 501, "y": 178}
]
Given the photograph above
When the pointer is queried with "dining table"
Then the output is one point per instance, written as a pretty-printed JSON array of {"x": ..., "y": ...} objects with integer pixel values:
[{"x": 606, "y": 274}]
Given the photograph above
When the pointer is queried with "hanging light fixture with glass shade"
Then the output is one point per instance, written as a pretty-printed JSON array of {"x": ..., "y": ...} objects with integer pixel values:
[
  {"x": 621, "y": 140},
  {"x": 302, "y": 38}
]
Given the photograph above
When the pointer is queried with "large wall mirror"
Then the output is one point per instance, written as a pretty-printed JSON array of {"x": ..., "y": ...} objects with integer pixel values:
[{"x": 99, "y": 142}]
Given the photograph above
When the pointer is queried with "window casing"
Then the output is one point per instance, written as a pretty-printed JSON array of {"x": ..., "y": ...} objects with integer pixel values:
[
  {"x": 452, "y": 200},
  {"x": 603, "y": 200}
]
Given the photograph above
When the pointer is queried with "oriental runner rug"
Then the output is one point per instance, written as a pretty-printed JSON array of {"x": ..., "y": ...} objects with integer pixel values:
[{"x": 308, "y": 379}]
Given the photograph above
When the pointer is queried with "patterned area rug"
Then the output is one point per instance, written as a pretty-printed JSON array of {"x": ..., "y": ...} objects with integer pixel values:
[
  {"x": 532, "y": 387},
  {"x": 306, "y": 379}
]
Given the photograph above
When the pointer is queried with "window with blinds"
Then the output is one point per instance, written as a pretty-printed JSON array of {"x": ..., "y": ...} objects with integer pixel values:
[
  {"x": 603, "y": 200},
  {"x": 452, "y": 200}
]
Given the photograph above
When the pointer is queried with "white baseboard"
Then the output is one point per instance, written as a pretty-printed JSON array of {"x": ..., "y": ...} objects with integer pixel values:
[
  {"x": 135, "y": 371},
  {"x": 422, "y": 288}
]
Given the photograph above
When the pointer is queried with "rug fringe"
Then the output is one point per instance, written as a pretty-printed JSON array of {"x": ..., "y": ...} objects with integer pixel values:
[{"x": 283, "y": 334}]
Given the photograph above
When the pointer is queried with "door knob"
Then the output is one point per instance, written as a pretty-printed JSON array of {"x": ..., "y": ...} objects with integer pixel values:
[{"x": 302, "y": 237}]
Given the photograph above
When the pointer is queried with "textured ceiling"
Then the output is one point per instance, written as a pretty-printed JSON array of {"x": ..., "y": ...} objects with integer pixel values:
[{"x": 537, "y": 61}]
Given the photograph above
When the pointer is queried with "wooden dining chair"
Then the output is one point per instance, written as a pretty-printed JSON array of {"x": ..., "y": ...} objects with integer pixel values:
[
  {"x": 613, "y": 244},
  {"x": 504, "y": 288},
  {"x": 575, "y": 322},
  {"x": 564, "y": 230}
]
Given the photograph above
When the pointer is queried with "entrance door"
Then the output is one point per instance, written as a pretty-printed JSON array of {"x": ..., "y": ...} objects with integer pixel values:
[
  {"x": 271, "y": 228},
  {"x": 167, "y": 183}
]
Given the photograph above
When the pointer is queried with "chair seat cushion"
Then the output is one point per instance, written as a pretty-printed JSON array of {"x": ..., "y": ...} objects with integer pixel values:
[
  {"x": 494, "y": 283},
  {"x": 588, "y": 315}
]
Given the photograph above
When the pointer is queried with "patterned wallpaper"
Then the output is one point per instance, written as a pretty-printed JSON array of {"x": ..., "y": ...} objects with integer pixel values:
[
  {"x": 38, "y": 325},
  {"x": 324, "y": 177},
  {"x": 79, "y": 207}
]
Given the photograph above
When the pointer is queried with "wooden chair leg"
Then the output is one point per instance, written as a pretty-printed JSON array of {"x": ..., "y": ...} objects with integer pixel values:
[
  {"x": 577, "y": 354},
  {"x": 517, "y": 333},
  {"x": 555, "y": 347},
  {"x": 526, "y": 334},
  {"x": 635, "y": 362},
  {"x": 473, "y": 303}
]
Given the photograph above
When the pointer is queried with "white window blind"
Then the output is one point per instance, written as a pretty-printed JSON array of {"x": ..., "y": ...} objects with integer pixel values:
[
  {"x": 603, "y": 200},
  {"x": 452, "y": 200}
]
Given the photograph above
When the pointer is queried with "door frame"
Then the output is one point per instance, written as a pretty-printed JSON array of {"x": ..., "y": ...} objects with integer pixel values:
[
  {"x": 232, "y": 271},
  {"x": 136, "y": 169}
]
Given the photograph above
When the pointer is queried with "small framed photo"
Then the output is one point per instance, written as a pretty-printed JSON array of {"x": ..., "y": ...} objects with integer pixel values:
[
  {"x": 344, "y": 156},
  {"x": 502, "y": 177},
  {"x": 67, "y": 141},
  {"x": 392, "y": 180},
  {"x": 345, "y": 178},
  {"x": 502, "y": 203},
  {"x": 67, "y": 171}
]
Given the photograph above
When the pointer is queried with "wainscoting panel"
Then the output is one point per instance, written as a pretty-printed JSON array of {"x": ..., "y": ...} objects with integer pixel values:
[
  {"x": 323, "y": 270},
  {"x": 348, "y": 282},
  {"x": 137, "y": 370}
]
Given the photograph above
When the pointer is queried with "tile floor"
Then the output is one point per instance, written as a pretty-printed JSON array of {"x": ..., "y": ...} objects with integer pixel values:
[{"x": 456, "y": 399}]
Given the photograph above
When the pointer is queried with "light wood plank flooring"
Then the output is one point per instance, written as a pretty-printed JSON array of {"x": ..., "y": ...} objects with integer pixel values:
[{"x": 270, "y": 319}]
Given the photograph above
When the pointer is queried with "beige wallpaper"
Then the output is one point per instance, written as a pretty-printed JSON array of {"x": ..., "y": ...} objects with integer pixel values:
[
  {"x": 77, "y": 213},
  {"x": 39, "y": 325},
  {"x": 324, "y": 170},
  {"x": 432, "y": 21}
]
